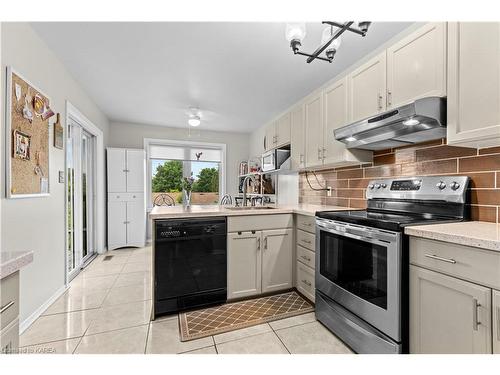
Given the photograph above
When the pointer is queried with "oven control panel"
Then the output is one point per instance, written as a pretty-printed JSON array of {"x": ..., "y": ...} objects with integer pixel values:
[{"x": 443, "y": 188}]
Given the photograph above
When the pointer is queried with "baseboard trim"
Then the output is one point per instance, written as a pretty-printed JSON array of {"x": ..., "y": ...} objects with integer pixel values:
[{"x": 38, "y": 312}]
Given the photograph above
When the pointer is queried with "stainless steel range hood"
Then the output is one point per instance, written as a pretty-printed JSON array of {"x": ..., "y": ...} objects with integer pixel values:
[{"x": 420, "y": 121}]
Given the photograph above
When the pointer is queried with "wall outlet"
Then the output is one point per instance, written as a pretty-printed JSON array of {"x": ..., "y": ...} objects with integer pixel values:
[
  {"x": 329, "y": 191},
  {"x": 61, "y": 177}
]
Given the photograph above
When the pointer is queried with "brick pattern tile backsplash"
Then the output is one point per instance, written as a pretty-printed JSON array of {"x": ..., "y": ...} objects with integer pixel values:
[{"x": 426, "y": 159}]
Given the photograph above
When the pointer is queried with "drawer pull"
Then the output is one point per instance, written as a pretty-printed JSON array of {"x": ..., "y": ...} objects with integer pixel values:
[
  {"x": 306, "y": 241},
  {"x": 306, "y": 258},
  {"x": 6, "y": 307},
  {"x": 308, "y": 283},
  {"x": 258, "y": 243},
  {"x": 306, "y": 224},
  {"x": 475, "y": 307},
  {"x": 447, "y": 260}
]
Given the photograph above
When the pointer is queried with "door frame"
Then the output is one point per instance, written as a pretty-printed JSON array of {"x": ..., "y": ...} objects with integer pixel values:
[{"x": 73, "y": 114}]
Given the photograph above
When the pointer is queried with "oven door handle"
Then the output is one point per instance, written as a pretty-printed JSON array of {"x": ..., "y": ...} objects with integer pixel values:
[{"x": 372, "y": 239}]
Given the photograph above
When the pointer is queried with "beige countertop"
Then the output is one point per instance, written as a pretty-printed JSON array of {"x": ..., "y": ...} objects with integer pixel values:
[
  {"x": 172, "y": 212},
  {"x": 13, "y": 261},
  {"x": 479, "y": 234}
]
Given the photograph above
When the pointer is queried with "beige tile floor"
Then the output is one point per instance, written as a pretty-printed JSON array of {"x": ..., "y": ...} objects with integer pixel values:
[{"x": 107, "y": 309}]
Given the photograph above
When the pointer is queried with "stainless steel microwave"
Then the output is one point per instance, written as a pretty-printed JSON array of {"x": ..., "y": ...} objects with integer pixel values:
[{"x": 272, "y": 160}]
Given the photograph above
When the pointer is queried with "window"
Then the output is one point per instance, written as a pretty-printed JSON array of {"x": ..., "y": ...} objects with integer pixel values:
[{"x": 170, "y": 161}]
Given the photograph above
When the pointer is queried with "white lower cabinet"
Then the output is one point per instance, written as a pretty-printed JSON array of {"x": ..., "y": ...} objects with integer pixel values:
[
  {"x": 277, "y": 260},
  {"x": 259, "y": 262},
  {"x": 496, "y": 322},
  {"x": 448, "y": 315},
  {"x": 243, "y": 264}
]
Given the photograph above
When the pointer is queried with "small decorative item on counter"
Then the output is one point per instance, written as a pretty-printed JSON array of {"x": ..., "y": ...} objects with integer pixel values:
[
  {"x": 58, "y": 133},
  {"x": 243, "y": 168},
  {"x": 21, "y": 145},
  {"x": 187, "y": 187}
]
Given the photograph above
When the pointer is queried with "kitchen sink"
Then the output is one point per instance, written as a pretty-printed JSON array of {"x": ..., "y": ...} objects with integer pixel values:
[{"x": 251, "y": 208}]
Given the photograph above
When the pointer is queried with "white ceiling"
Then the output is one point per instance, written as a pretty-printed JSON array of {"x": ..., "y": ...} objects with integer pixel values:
[{"x": 240, "y": 75}]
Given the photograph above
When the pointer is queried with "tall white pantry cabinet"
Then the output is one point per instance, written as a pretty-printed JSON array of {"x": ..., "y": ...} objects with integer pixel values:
[{"x": 126, "y": 197}]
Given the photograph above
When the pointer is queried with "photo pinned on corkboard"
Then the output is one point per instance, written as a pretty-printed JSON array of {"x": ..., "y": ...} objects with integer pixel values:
[{"x": 27, "y": 153}]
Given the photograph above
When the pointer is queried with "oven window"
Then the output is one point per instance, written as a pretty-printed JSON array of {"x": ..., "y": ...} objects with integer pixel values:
[{"x": 357, "y": 266}]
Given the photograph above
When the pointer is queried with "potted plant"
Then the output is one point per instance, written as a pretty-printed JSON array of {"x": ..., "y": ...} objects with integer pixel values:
[{"x": 187, "y": 188}]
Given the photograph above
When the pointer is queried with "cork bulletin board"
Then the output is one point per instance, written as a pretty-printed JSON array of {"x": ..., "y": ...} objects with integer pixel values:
[{"x": 27, "y": 138}]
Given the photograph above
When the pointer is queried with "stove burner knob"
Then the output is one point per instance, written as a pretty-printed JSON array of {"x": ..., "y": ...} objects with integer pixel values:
[
  {"x": 371, "y": 186},
  {"x": 377, "y": 186},
  {"x": 440, "y": 185},
  {"x": 455, "y": 185},
  {"x": 383, "y": 186}
]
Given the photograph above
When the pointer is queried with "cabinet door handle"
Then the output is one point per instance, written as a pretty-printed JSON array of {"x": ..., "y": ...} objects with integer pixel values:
[
  {"x": 258, "y": 243},
  {"x": 301, "y": 159},
  {"x": 389, "y": 97},
  {"x": 265, "y": 243},
  {"x": 308, "y": 283},
  {"x": 319, "y": 153},
  {"x": 306, "y": 224},
  {"x": 475, "y": 308},
  {"x": 126, "y": 222},
  {"x": 379, "y": 99},
  {"x": 6, "y": 307},
  {"x": 126, "y": 170},
  {"x": 447, "y": 260},
  {"x": 324, "y": 153}
]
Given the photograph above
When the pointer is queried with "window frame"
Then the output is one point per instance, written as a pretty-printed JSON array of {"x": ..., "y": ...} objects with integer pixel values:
[{"x": 170, "y": 142}]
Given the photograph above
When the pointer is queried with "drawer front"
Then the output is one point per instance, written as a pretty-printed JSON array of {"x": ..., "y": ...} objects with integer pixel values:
[
  {"x": 305, "y": 256},
  {"x": 9, "y": 299},
  {"x": 259, "y": 222},
  {"x": 306, "y": 239},
  {"x": 9, "y": 338},
  {"x": 306, "y": 223},
  {"x": 469, "y": 263},
  {"x": 125, "y": 197},
  {"x": 305, "y": 281}
]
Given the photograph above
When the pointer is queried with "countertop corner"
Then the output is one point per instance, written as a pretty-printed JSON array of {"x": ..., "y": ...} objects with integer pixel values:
[{"x": 13, "y": 261}]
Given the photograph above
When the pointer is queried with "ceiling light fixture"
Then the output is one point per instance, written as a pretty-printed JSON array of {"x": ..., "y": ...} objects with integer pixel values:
[
  {"x": 194, "y": 120},
  {"x": 350, "y": 139},
  {"x": 330, "y": 39}
]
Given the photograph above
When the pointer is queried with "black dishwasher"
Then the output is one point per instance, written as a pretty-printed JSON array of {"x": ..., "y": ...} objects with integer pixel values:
[{"x": 190, "y": 264}]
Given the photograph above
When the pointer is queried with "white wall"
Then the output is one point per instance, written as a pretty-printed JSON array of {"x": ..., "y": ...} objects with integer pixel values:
[
  {"x": 38, "y": 223},
  {"x": 132, "y": 136}
]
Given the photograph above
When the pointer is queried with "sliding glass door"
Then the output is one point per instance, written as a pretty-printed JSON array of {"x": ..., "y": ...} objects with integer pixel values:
[{"x": 80, "y": 176}]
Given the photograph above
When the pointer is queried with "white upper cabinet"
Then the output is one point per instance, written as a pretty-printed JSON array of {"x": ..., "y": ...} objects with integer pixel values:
[
  {"x": 283, "y": 130},
  {"x": 416, "y": 66},
  {"x": 136, "y": 164},
  {"x": 117, "y": 170},
  {"x": 270, "y": 137},
  {"x": 314, "y": 130},
  {"x": 367, "y": 88},
  {"x": 474, "y": 83},
  {"x": 297, "y": 138},
  {"x": 336, "y": 110}
]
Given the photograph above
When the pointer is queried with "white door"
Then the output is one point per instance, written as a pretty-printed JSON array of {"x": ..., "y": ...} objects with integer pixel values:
[
  {"x": 117, "y": 223},
  {"x": 297, "y": 141},
  {"x": 367, "y": 87},
  {"x": 473, "y": 83},
  {"x": 243, "y": 264},
  {"x": 117, "y": 170},
  {"x": 314, "y": 130},
  {"x": 277, "y": 260},
  {"x": 496, "y": 322},
  {"x": 416, "y": 65},
  {"x": 283, "y": 130},
  {"x": 81, "y": 202},
  {"x": 136, "y": 223},
  {"x": 448, "y": 315},
  {"x": 136, "y": 166},
  {"x": 336, "y": 112}
]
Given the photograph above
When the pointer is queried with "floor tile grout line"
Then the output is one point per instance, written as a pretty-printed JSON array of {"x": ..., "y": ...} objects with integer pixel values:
[
  {"x": 147, "y": 338},
  {"x": 215, "y": 345},
  {"x": 279, "y": 338}
]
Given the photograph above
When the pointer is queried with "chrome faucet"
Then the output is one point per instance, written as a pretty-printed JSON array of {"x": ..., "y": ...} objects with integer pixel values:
[{"x": 249, "y": 177}]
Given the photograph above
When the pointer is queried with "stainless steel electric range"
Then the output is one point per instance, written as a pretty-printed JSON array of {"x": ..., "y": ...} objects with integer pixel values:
[{"x": 362, "y": 258}]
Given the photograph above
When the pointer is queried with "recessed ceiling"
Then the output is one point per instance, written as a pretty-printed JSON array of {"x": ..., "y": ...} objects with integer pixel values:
[{"x": 240, "y": 75}]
